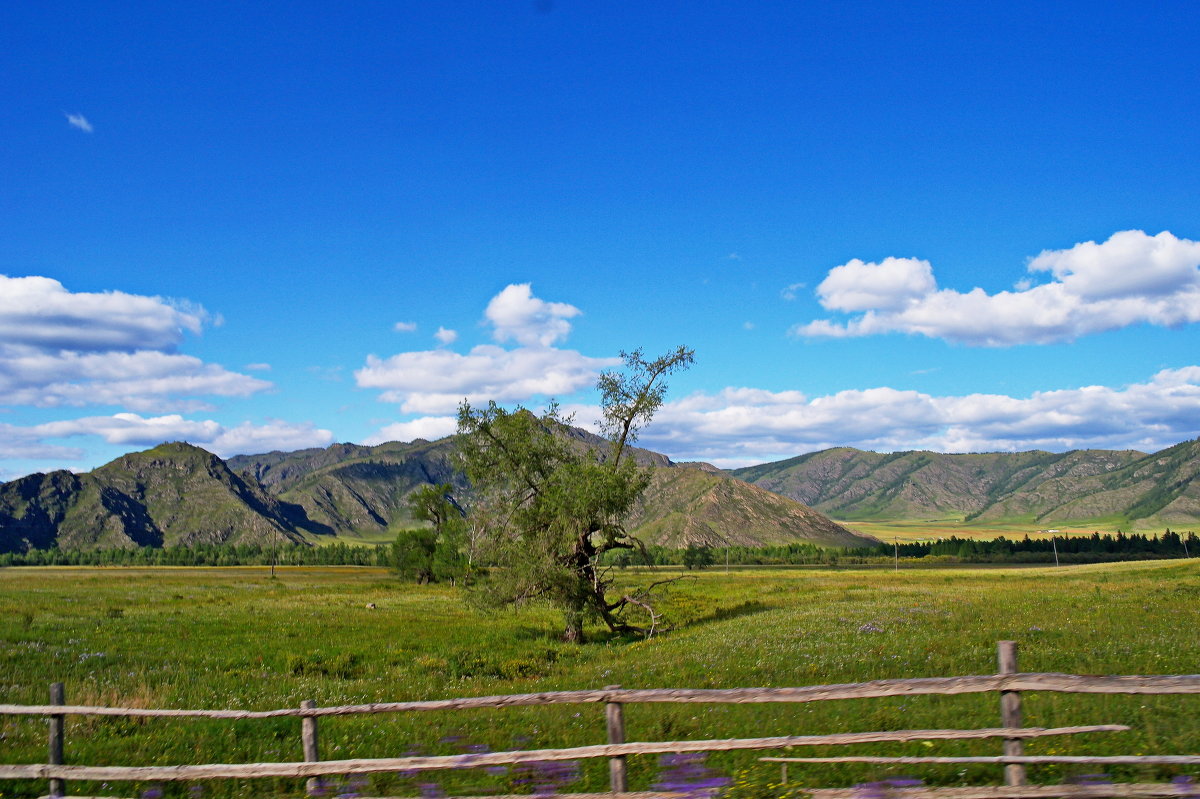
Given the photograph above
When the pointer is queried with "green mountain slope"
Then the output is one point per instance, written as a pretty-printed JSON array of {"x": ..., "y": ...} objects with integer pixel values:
[
  {"x": 353, "y": 490},
  {"x": 1126, "y": 487},
  {"x": 686, "y": 506},
  {"x": 174, "y": 494}
]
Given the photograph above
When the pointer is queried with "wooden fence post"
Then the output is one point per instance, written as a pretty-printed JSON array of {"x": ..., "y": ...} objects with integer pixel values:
[
  {"x": 615, "y": 717},
  {"x": 308, "y": 738},
  {"x": 57, "y": 727},
  {"x": 1010, "y": 713}
]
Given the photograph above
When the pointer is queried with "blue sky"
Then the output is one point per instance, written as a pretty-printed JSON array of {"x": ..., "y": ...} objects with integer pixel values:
[{"x": 944, "y": 226}]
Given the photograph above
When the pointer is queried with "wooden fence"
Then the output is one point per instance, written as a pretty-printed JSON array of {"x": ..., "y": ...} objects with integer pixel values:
[{"x": 1008, "y": 683}]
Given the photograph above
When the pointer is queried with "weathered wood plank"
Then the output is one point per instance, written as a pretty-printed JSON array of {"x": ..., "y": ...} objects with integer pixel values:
[
  {"x": 1128, "y": 760},
  {"x": 1099, "y": 791},
  {"x": 1010, "y": 712},
  {"x": 1065, "y": 683},
  {"x": 614, "y": 722},
  {"x": 244, "y": 770}
]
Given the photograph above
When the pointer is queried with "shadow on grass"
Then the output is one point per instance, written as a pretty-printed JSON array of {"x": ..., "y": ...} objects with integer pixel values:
[{"x": 750, "y": 607}]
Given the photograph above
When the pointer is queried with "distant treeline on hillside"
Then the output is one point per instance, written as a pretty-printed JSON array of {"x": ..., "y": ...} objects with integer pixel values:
[
  {"x": 1095, "y": 548},
  {"x": 338, "y": 554}
]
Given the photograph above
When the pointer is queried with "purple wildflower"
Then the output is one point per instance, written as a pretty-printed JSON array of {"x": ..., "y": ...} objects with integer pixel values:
[{"x": 686, "y": 773}]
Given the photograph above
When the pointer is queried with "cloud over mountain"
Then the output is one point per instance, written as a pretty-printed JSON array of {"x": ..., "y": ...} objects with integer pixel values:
[
  {"x": 740, "y": 426},
  {"x": 1132, "y": 278},
  {"x": 435, "y": 381}
]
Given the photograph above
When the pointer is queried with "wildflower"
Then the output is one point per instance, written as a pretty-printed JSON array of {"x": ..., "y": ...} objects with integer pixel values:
[{"x": 686, "y": 773}]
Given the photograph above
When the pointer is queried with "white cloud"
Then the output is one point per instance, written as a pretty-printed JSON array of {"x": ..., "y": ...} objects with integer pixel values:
[
  {"x": 80, "y": 122},
  {"x": 25, "y": 444},
  {"x": 791, "y": 292},
  {"x": 59, "y": 347},
  {"x": 404, "y": 327},
  {"x": 519, "y": 316},
  {"x": 740, "y": 426},
  {"x": 257, "y": 367},
  {"x": 130, "y": 429},
  {"x": 435, "y": 381},
  {"x": 38, "y": 312},
  {"x": 1132, "y": 278},
  {"x": 888, "y": 285},
  {"x": 445, "y": 336},
  {"x": 429, "y": 428},
  {"x": 143, "y": 381}
]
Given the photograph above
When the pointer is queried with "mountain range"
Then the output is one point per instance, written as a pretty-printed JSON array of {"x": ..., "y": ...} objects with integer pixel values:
[
  {"x": 179, "y": 494},
  {"x": 1127, "y": 489}
]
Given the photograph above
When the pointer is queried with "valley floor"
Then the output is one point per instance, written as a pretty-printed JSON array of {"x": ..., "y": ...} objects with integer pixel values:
[{"x": 232, "y": 637}]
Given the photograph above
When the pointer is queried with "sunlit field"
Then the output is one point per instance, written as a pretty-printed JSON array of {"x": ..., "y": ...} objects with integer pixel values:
[
  {"x": 233, "y": 638},
  {"x": 932, "y": 529}
]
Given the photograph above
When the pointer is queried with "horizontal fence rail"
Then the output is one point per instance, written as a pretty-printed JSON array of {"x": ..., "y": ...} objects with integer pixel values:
[
  {"x": 443, "y": 762},
  {"x": 1033, "y": 681},
  {"x": 1008, "y": 684}
]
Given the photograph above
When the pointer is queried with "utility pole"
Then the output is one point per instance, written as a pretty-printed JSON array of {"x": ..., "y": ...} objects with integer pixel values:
[
  {"x": 897, "y": 543},
  {"x": 1054, "y": 544}
]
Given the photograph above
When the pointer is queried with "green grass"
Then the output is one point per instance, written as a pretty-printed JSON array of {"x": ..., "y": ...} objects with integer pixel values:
[
  {"x": 929, "y": 529},
  {"x": 209, "y": 638}
]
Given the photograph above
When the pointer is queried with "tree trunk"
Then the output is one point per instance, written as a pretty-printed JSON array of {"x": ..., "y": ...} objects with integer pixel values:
[{"x": 573, "y": 634}]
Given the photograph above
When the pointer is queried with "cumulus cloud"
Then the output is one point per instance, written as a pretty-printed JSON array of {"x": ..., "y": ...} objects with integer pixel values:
[
  {"x": 429, "y": 428},
  {"x": 741, "y": 426},
  {"x": 22, "y": 443},
  {"x": 59, "y": 347},
  {"x": 516, "y": 315},
  {"x": 404, "y": 327},
  {"x": 435, "y": 381},
  {"x": 1132, "y": 278},
  {"x": 130, "y": 429},
  {"x": 79, "y": 122},
  {"x": 40, "y": 313},
  {"x": 445, "y": 336},
  {"x": 889, "y": 285}
]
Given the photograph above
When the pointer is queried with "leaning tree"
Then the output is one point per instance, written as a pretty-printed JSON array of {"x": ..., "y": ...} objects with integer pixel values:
[{"x": 548, "y": 506}]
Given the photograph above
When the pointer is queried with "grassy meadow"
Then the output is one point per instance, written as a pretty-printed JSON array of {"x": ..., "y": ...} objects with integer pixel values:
[
  {"x": 233, "y": 638},
  {"x": 907, "y": 530}
]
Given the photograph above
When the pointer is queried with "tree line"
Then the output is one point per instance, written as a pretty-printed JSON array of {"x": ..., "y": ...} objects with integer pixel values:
[
  {"x": 284, "y": 554},
  {"x": 1092, "y": 548}
]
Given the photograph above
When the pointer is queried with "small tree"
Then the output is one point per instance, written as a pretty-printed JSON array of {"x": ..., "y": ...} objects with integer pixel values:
[
  {"x": 548, "y": 508},
  {"x": 697, "y": 556},
  {"x": 412, "y": 554},
  {"x": 434, "y": 553}
]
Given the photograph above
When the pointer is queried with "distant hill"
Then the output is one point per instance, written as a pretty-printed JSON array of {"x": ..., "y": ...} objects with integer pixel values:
[
  {"x": 349, "y": 489},
  {"x": 354, "y": 490},
  {"x": 1128, "y": 488},
  {"x": 178, "y": 494},
  {"x": 690, "y": 505},
  {"x": 172, "y": 495}
]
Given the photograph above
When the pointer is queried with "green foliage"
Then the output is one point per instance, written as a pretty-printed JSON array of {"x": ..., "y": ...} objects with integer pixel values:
[
  {"x": 412, "y": 554},
  {"x": 547, "y": 511},
  {"x": 1095, "y": 548},
  {"x": 436, "y": 553},
  {"x": 697, "y": 556}
]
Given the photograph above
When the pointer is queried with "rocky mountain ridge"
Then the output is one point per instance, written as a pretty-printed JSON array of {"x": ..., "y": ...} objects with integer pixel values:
[
  {"x": 1124, "y": 488},
  {"x": 178, "y": 494}
]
